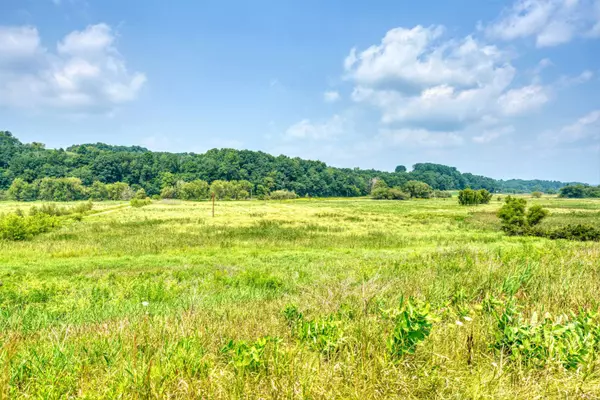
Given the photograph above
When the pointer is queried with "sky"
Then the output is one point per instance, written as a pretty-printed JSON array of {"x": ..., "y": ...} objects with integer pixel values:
[{"x": 506, "y": 89}]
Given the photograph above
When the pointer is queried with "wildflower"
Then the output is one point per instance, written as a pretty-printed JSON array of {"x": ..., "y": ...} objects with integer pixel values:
[
  {"x": 468, "y": 319},
  {"x": 459, "y": 323},
  {"x": 145, "y": 303}
]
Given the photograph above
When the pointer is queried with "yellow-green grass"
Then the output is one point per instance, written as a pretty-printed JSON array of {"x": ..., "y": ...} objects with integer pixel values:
[{"x": 139, "y": 302}]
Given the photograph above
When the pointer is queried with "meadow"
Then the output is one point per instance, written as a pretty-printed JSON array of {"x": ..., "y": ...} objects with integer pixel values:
[{"x": 300, "y": 299}]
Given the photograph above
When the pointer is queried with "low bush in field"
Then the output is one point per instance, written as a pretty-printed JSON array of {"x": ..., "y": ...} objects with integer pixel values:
[
  {"x": 470, "y": 197},
  {"x": 580, "y": 232},
  {"x": 384, "y": 193},
  {"x": 517, "y": 219},
  {"x": 569, "y": 340},
  {"x": 59, "y": 211},
  {"x": 282, "y": 195},
  {"x": 442, "y": 194},
  {"x": 536, "y": 195},
  {"x": 17, "y": 227},
  {"x": 138, "y": 203}
]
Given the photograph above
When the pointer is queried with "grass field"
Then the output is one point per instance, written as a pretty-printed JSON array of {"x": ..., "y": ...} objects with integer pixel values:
[{"x": 167, "y": 302}]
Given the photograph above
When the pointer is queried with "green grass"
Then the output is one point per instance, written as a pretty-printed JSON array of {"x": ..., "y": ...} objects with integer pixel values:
[{"x": 167, "y": 302}]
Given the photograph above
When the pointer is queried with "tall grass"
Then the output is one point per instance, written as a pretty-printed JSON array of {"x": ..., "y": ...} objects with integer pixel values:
[{"x": 303, "y": 299}]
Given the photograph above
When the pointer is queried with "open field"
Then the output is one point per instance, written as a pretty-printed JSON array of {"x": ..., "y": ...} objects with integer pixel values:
[{"x": 167, "y": 302}]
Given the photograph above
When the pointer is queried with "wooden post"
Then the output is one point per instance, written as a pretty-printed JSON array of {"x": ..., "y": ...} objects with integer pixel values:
[{"x": 213, "y": 208}]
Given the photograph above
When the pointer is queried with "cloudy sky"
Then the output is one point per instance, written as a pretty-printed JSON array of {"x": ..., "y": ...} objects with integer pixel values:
[{"x": 500, "y": 88}]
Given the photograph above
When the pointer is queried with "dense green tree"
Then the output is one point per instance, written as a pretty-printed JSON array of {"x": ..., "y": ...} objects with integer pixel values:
[
  {"x": 154, "y": 171},
  {"x": 419, "y": 190}
]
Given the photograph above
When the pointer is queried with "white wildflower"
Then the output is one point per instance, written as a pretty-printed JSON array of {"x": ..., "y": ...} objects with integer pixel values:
[
  {"x": 468, "y": 319},
  {"x": 459, "y": 323},
  {"x": 145, "y": 303}
]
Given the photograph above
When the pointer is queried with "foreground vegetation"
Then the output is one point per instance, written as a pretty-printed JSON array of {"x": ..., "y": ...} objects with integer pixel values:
[{"x": 299, "y": 299}]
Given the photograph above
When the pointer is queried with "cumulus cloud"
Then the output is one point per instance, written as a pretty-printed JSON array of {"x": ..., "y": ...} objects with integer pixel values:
[
  {"x": 329, "y": 129},
  {"x": 85, "y": 73},
  {"x": 550, "y": 22},
  {"x": 419, "y": 80},
  {"x": 331, "y": 96}
]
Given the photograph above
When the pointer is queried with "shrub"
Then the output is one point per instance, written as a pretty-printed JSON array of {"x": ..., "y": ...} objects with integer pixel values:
[
  {"x": 536, "y": 195},
  {"x": 516, "y": 220},
  {"x": 119, "y": 191},
  {"x": 18, "y": 227},
  {"x": 442, "y": 194},
  {"x": 140, "y": 194},
  {"x": 138, "y": 203},
  {"x": 385, "y": 193},
  {"x": 417, "y": 189},
  {"x": 470, "y": 197},
  {"x": 583, "y": 233},
  {"x": 282, "y": 195},
  {"x": 57, "y": 211}
]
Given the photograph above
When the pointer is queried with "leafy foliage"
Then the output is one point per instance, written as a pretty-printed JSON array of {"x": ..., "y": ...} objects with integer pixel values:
[
  {"x": 470, "y": 197},
  {"x": 283, "y": 195},
  {"x": 250, "y": 356},
  {"x": 516, "y": 220},
  {"x": 579, "y": 191},
  {"x": 567, "y": 340},
  {"x": 412, "y": 325},
  {"x": 17, "y": 227},
  {"x": 154, "y": 171}
]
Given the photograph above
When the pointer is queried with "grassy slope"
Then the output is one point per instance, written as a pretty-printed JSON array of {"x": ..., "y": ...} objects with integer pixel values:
[{"x": 72, "y": 320}]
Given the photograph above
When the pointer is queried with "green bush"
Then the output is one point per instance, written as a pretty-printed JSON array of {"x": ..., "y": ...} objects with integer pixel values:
[
  {"x": 385, "y": 193},
  {"x": 442, "y": 194},
  {"x": 138, "y": 203},
  {"x": 57, "y": 211},
  {"x": 516, "y": 220},
  {"x": 417, "y": 189},
  {"x": 470, "y": 197},
  {"x": 536, "y": 195},
  {"x": 140, "y": 194},
  {"x": 17, "y": 227},
  {"x": 283, "y": 195},
  {"x": 583, "y": 233}
]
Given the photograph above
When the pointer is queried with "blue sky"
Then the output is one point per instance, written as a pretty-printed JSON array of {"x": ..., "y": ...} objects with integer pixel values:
[{"x": 503, "y": 89}]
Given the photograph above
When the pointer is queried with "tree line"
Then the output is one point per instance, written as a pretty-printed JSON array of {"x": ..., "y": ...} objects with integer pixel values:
[{"x": 82, "y": 171}]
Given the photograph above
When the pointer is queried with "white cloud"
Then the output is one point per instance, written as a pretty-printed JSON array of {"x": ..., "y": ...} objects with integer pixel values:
[
  {"x": 551, "y": 22},
  {"x": 413, "y": 59},
  {"x": 493, "y": 134},
  {"x": 523, "y": 100},
  {"x": 331, "y": 96},
  {"x": 420, "y": 138},
  {"x": 586, "y": 127},
  {"x": 85, "y": 74},
  {"x": 305, "y": 129},
  {"x": 420, "y": 81}
]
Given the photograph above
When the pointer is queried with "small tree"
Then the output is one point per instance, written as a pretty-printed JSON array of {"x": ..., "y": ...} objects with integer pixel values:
[
  {"x": 536, "y": 194},
  {"x": 516, "y": 219},
  {"x": 470, "y": 197},
  {"x": 419, "y": 190},
  {"x": 140, "y": 194}
]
